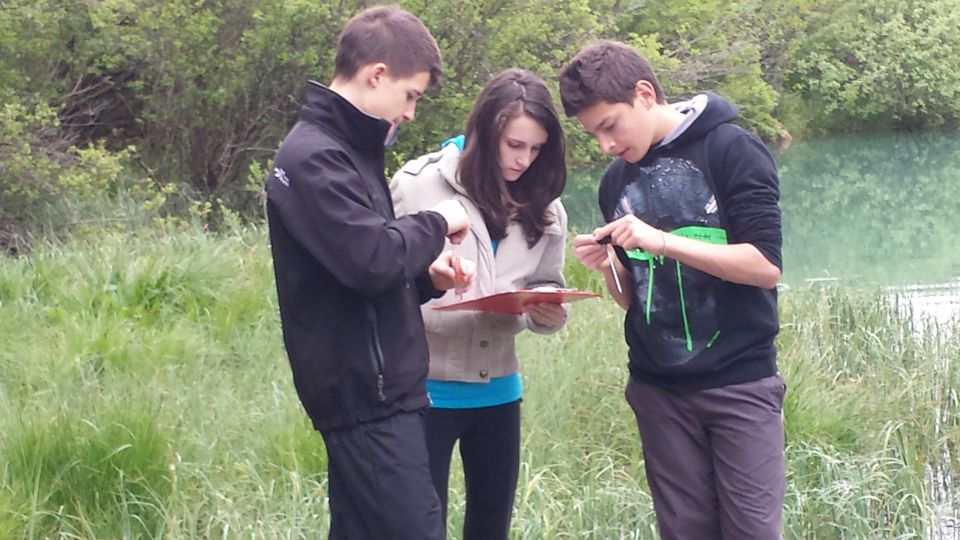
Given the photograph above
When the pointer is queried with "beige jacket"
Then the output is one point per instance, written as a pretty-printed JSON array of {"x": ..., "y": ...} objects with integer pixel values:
[{"x": 477, "y": 346}]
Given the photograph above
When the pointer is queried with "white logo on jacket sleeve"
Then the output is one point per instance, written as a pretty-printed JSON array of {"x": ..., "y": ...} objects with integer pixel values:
[{"x": 281, "y": 175}]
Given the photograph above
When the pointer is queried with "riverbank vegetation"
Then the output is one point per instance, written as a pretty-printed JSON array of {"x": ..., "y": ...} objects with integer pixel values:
[
  {"x": 144, "y": 390},
  {"x": 182, "y": 103},
  {"x": 144, "y": 393}
]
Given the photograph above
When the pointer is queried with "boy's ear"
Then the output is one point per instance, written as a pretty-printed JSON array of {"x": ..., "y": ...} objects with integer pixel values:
[
  {"x": 372, "y": 73},
  {"x": 644, "y": 94}
]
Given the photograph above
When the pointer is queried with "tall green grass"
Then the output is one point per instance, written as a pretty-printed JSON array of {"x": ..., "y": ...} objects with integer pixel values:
[{"x": 145, "y": 393}]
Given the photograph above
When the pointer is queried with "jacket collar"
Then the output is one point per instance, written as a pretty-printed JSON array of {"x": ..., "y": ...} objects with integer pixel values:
[
  {"x": 447, "y": 167},
  {"x": 323, "y": 106}
]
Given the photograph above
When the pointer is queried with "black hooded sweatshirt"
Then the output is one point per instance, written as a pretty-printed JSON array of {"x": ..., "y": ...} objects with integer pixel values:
[
  {"x": 350, "y": 275},
  {"x": 716, "y": 182}
]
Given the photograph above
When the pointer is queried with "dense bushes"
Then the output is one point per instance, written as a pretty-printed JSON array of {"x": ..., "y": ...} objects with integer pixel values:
[
  {"x": 886, "y": 63},
  {"x": 192, "y": 97}
]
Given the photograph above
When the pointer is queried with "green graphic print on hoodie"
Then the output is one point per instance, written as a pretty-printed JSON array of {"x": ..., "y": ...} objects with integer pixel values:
[
  {"x": 678, "y": 302},
  {"x": 714, "y": 181}
]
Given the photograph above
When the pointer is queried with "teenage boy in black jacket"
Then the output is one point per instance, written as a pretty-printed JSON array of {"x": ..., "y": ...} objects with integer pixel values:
[
  {"x": 692, "y": 209},
  {"x": 351, "y": 278}
]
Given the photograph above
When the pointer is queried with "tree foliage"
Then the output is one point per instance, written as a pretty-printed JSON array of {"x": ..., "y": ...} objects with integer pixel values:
[
  {"x": 884, "y": 63},
  {"x": 197, "y": 94}
]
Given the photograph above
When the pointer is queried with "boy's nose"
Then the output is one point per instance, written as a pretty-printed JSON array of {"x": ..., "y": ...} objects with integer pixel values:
[{"x": 606, "y": 144}]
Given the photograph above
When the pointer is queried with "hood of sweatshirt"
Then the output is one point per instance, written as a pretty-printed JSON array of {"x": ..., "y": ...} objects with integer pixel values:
[{"x": 701, "y": 113}]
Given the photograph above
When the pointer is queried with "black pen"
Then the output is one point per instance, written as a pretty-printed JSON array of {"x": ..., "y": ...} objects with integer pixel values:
[{"x": 613, "y": 268}]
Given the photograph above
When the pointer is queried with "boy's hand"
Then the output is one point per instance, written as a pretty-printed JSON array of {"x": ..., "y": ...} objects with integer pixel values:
[
  {"x": 456, "y": 216},
  {"x": 630, "y": 232},
  {"x": 445, "y": 275},
  {"x": 590, "y": 252}
]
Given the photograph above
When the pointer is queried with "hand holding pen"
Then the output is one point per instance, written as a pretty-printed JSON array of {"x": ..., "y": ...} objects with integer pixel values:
[
  {"x": 458, "y": 277},
  {"x": 596, "y": 255},
  {"x": 613, "y": 268},
  {"x": 451, "y": 271}
]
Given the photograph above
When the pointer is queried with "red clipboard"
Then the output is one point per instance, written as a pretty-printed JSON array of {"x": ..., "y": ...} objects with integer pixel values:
[{"x": 513, "y": 301}]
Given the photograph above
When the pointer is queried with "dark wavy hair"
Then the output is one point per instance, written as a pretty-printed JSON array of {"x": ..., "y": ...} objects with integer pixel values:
[
  {"x": 513, "y": 93},
  {"x": 605, "y": 71}
]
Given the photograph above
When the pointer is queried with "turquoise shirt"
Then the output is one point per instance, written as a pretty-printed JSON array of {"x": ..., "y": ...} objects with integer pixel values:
[{"x": 469, "y": 395}]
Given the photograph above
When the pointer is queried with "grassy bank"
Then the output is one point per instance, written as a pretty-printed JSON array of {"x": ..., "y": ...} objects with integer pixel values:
[{"x": 144, "y": 393}]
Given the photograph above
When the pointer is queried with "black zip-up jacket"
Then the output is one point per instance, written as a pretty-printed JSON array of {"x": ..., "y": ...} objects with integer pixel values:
[
  {"x": 715, "y": 182},
  {"x": 350, "y": 275}
]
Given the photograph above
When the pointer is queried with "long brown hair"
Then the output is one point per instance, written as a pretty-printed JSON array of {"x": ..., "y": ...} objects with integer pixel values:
[{"x": 513, "y": 93}]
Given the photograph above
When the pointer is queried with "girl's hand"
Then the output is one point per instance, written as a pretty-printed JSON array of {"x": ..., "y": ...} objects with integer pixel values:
[{"x": 546, "y": 314}]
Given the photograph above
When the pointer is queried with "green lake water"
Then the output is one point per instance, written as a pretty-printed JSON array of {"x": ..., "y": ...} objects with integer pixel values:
[{"x": 878, "y": 210}]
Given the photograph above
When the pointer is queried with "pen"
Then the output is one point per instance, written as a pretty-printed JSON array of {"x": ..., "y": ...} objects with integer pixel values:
[
  {"x": 457, "y": 274},
  {"x": 613, "y": 268}
]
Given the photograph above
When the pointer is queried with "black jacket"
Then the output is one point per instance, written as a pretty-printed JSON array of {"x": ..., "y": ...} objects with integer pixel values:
[
  {"x": 350, "y": 276},
  {"x": 715, "y": 182}
]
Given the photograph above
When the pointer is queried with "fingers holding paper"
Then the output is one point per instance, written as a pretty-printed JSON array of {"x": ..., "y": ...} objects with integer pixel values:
[
  {"x": 451, "y": 271},
  {"x": 546, "y": 314}
]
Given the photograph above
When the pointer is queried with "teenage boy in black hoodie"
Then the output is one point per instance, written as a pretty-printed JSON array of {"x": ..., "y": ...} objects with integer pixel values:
[
  {"x": 691, "y": 205},
  {"x": 351, "y": 278}
]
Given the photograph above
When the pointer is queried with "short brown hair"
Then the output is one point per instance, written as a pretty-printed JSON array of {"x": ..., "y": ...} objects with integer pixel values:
[
  {"x": 606, "y": 71},
  {"x": 391, "y": 35}
]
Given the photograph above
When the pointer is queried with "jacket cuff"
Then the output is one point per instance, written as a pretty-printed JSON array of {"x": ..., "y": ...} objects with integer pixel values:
[{"x": 425, "y": 289}]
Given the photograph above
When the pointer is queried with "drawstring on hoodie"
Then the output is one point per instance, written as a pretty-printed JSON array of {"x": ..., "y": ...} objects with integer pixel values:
[
  {"x": 683, "y": 309},
  {"x": 650, "y": 288},
  {"x": 683, "y": 304}
]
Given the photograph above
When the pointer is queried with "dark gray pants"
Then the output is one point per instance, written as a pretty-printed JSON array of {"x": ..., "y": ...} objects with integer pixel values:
[
  {"x": 714, "y": 458},
  {"x": 379, "y": 485}
]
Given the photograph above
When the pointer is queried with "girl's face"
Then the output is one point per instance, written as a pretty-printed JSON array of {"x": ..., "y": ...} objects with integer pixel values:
[{"x": 520, "y": 143}]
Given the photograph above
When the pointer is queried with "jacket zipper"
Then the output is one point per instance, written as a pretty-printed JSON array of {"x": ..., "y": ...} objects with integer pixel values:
[{"x": 376, "y": 351}]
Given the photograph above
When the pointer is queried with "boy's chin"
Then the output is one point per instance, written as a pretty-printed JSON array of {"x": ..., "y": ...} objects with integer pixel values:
[{"x": 633, "y": 155}]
